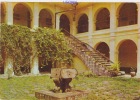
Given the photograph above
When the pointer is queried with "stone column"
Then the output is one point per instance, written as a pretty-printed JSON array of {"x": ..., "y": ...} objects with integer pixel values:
[
  {"x": 8, "y": 67},
  {"x": 138, "y": 50},
  {"x": 57, "y": 21},
  {"x": 34, "y": 63},
  {"x": 57, "y": 18},
  {"x": 112, "y": 48},
  {"x": 36, "y": 15},
  {"x": 34, "y": 58},
  {"x": 90, "y": 25},
  {"x": 138, "y": 55},
  {"x": 9, "y": 13},
  {"x": 112, "y": 31},
  {"x": 73, "y": 28}
]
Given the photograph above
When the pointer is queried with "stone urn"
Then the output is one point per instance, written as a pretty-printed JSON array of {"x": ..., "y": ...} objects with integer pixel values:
[{"x": 133, "y": 74}]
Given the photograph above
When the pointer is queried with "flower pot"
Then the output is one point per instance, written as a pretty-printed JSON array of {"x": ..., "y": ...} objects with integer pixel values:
[{"x": 133, "y": 74}]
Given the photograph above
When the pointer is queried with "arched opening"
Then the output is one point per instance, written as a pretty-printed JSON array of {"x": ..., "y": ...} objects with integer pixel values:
[
  {"x": 127, "y": 14},
  {"x": 45, "y": 18},
  {"x": 44, "y": 66},
  {"x": 103, "y": 48},
  {"x": 64, "y": 22},
  {"x": 127, "y": 55},
  {"x": 103, "y": 19},
  {"x": 2, "y": 9},
  {"x": 22, "y": 15},
  {"x": 83, "y": 24}
]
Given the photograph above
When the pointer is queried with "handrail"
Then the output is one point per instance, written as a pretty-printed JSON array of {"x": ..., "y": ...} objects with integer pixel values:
[{"x": 67, "y": 33}]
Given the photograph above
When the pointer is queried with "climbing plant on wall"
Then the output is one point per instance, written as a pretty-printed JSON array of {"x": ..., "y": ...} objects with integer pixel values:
[
  {"x": 20, "y": 43},
  {"x": 16, "y": 41},
  {"x": 52, "y": 45}
]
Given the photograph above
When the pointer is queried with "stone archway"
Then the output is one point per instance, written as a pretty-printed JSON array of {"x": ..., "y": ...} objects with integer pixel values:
[
  {"x": 127, "y": 55},
  {"x": 45, "y": 18},
  {"x": 22, "y": 15},
  {"x": 103, "y": 48},
  {"x": 64, "y": 22}
]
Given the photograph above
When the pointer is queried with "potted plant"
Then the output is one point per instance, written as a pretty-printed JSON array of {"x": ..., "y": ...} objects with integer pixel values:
[
  {"x": 132, "y": 71},
  {"x": 114, "y": 69}
]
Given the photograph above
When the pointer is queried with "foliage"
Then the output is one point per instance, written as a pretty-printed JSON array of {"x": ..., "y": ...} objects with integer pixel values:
[
  {"x": 16, "y": 41},
  {"x": 114, "y": 69},
  {"x": 52, "y": 46},
  {"x": 20, "y": 43},
  {"x": 115, "y": 66}
]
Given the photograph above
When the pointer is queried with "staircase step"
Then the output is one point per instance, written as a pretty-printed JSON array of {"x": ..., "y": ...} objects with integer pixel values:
[
  {"x": 78, "y": 45},
  {"x": 107, "y": 64},
  {"x": 86, "y": 51}
]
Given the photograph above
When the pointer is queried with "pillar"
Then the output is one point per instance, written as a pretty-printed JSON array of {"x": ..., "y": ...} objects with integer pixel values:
[
  {"x": 112, "y": 31},
  {"x": 138, "y": 56},
  {"x": 73, "y": 28},
  {"x": 138, "y": 51},
  {"x": 8, "y": 69},
  {"x": 57, "y": 18},
  {"x": 57, "y": 21},
  {"x": 36, "y": 15},
  {"x": 9, "y": 20},
  {"x": 9, "y": 13},
  {"x": 90, "y": 24},
  {"x": 34, "y": 64}
]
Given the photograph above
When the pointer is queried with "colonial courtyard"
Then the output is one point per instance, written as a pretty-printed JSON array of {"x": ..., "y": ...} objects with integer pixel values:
[{"x": 101, "y": 40}]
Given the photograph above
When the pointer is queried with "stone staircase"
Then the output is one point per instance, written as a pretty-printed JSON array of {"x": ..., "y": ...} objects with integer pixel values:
[{"x": 97, "y": 62}]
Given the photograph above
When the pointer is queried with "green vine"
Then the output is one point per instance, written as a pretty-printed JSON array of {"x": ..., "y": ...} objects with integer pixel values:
[
  {"x": 52, "y": 46},
  {"x": 17, "y": 42}
]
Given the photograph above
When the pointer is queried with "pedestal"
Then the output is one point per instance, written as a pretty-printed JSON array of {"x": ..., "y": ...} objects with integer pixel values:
[{"x": 49, "y": 95}]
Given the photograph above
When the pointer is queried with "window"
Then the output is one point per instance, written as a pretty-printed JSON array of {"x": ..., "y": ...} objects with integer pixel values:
[
  {"x": 64, "y": 22},
  {"x": 128, "y": 14},
  {"x": 103, "y": 19}
]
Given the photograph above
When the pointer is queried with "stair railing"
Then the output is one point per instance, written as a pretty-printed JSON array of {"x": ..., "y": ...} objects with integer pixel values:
[
  {"x": 84, "y": 51},
  {"x": 90, "y": 48}
]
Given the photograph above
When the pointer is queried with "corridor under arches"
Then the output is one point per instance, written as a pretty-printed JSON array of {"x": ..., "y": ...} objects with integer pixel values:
[
  {"x": 22, "y": 15},
  {"x": 103, "y": 48},
  {"x": 127, "y": 55}
]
